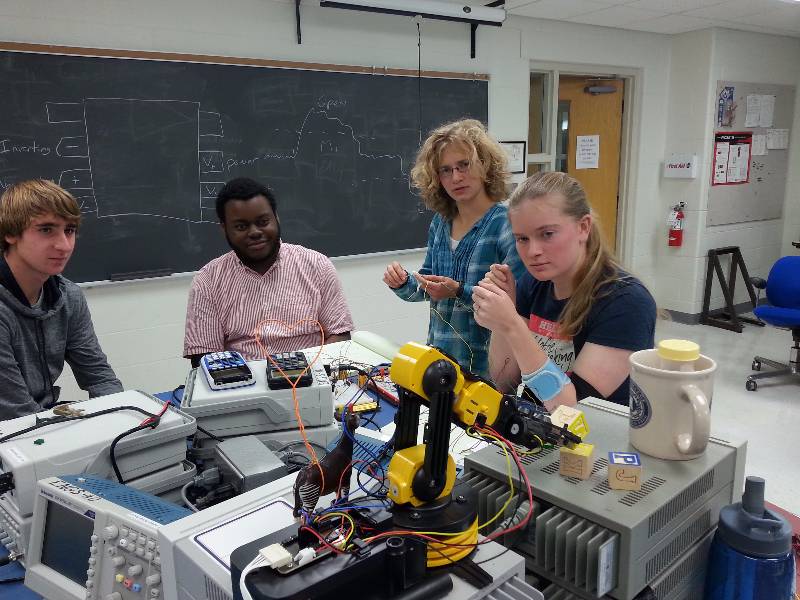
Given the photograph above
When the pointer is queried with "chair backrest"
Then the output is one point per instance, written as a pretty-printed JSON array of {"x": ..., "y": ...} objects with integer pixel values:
[{"x": 783, "y": 284}]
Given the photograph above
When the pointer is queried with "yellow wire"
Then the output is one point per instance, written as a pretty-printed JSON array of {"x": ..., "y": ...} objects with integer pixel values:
[
  {"x": 535, "y": 450},
  {"x": 346, "y": 516},
  {"x": 471, "y": 355},
  {"x": 502, "y": 510},
  {"x": 472, "y": 433},
  {"x": 450, "y": 325}
]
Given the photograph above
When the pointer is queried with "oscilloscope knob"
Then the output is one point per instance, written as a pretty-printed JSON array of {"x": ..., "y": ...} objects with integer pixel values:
[
  {"x": 134, "y": 570},
  {"x": 110, "y": 532}
]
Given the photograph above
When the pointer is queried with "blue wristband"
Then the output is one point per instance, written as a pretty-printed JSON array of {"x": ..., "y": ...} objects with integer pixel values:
[{"x": 547, "y": 382}]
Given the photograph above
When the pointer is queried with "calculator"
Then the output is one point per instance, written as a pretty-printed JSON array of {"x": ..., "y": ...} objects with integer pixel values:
[
  {"x": 226, "y": 370},
  {"x": 292, "y": 364}
]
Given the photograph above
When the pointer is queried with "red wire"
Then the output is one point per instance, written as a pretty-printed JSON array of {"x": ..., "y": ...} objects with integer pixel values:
[
  {"x": 527, "y": 517},
  {"x": 322, "y": 540},
  {"x": 155, "y": 419},
  {"x": 495, "y": 535}
]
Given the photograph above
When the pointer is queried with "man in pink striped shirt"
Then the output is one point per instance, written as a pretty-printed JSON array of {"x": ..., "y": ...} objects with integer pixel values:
[{"x": 278, "y": 288}]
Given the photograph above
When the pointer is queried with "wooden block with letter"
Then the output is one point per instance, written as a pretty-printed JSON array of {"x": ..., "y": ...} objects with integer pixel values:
[
  {"x": 624, "y": 471},
  {"x": 572, "y": 418},
  {"x": 576, "y": 461}
]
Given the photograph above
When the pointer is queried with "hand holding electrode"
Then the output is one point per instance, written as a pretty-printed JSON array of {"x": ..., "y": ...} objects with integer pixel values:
[
  {"x": 493, "y": 307},
  {"x": 395, "y": 275},
  {"x": 438, "y": 287}
]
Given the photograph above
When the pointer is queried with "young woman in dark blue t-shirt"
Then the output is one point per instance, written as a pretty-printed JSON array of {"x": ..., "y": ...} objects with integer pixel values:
[{"x": 567, "y": 327}]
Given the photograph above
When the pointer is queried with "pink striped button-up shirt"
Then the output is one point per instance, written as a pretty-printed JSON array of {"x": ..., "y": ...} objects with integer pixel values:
[{"x": 228, "y": 300}]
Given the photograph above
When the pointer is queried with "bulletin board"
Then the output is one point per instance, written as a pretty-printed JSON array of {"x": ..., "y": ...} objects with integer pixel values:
[{"x": 761, "y": 196}]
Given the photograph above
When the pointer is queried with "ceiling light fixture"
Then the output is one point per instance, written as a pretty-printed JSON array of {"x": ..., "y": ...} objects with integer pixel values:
[{"x": 432, "y": 9}]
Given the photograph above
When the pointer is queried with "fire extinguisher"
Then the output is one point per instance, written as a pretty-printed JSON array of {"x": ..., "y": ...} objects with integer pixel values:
[{"x": 676, "y": 217}]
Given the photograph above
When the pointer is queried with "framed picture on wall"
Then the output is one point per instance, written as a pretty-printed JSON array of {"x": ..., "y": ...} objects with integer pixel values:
[{"x": 517, "y": 156}]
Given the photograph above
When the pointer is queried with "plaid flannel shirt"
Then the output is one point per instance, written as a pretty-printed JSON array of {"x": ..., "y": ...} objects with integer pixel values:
[{"x": 452, "y": 326}]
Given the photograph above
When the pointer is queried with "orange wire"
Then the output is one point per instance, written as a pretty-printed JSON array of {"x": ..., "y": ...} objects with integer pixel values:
[{"x": 293, "y": 383}]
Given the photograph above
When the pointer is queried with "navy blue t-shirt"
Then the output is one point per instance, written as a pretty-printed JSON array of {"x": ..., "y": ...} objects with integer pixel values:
[{"x": 623, "y": 316}]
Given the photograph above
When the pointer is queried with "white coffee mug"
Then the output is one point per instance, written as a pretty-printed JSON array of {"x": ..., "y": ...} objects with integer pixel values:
[{"x": 670, "y": 411}]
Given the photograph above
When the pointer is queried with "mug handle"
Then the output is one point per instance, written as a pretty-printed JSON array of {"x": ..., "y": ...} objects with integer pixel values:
[{"x": 696, "y": 441}]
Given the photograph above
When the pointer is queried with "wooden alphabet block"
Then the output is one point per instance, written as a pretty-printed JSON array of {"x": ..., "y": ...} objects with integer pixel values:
[
  {"x": 576, "y": 461},
  {"x": 624, "y": 471},
  {"x": 572, "y": 418}
]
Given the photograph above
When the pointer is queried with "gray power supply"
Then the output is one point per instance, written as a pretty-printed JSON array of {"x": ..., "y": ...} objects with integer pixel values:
[
  {"x": 246, "y": 463},
  {"x": 591, "y": 540}
]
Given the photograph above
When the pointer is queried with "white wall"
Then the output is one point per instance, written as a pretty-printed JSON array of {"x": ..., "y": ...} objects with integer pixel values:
[
  {"x": 751, "y": 57},
  {"x": 681, "y": 269},
  {"x": 140, "y": 324},
  {"x": 699, "y": 60}
]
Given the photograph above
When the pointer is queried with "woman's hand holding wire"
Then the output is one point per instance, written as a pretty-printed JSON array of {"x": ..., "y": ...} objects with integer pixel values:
[
  {"x": 395, "y": 275},
  {"x": 493, "y": 307},
  {"x": 502, "y": 277},
  {"x": 437, "y": 287}
]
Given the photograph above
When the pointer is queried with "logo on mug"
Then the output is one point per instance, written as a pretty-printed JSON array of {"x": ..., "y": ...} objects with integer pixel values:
[{"x": 640, "y": 407}]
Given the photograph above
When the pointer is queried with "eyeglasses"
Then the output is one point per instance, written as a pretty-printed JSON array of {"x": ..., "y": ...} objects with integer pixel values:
[{"x": 446, "y": 172}]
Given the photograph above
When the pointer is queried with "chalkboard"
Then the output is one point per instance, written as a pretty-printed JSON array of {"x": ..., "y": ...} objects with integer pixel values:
[{"x": 145, "y": 145}]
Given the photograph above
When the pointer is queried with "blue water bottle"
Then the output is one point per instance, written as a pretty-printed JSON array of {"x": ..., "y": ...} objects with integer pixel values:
[{"x": 751, "y": 555}]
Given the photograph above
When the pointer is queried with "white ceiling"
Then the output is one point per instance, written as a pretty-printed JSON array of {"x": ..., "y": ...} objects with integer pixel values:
[{"x": 781, "y": 17}]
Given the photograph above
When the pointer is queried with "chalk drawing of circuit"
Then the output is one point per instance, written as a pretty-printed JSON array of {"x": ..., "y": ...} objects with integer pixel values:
[{"x": 159, "y": 158}]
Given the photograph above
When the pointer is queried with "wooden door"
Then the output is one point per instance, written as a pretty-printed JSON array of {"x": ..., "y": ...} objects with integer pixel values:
[{"x": 596, "y": 114}]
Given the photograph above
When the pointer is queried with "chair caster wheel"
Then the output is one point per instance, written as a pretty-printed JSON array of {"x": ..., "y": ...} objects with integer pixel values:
[
  {"x": 756, "y": 366},
  {"x": 751, "y": 385}
]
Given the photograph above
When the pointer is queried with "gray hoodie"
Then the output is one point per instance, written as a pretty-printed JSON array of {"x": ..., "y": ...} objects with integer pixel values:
[{"x": 35, "y": 342}]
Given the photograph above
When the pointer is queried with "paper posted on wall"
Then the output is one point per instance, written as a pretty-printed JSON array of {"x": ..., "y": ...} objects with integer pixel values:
[
  {"x": 731, "y": 158},
  {"x": 777, "y": 139},
  {"x": 760, "y": 110},
  {"x": 587, "y": 152},
  {"x": 759, "y": 145}
]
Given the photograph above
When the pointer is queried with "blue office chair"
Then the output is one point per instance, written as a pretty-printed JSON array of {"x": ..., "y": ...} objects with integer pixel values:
[{"x": 783, "y": 310}]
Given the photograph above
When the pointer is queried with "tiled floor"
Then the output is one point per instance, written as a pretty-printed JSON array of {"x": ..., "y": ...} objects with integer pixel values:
[{"x": 769, "y": 418}]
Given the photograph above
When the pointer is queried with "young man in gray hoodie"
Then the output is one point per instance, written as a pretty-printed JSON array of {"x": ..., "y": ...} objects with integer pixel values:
[{"x": 44, "y": 318}]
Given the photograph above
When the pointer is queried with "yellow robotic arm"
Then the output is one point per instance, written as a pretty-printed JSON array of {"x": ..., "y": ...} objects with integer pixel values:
[
  {"x": 412, "y": 368},
  {"x": 422, "y": 481}
]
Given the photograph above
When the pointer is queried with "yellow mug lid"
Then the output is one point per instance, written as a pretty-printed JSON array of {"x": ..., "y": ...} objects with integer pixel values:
[{"x": 682, "y": 350}]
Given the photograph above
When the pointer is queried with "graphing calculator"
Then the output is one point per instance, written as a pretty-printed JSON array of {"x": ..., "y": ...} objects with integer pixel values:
[
  {"x": 226, "y": 370},
  {"x": 292, "y": 364}
]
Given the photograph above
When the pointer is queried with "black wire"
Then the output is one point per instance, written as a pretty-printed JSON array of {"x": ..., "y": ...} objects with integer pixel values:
[
  {"x": 55, "y": 420},
  {"x": 520, "y": 499},
  {"x": 209, "y": 434},
  {"x": 12, "y": 580},
  {"x": 121, "y": 436},
  {"x": 368, "y": 419},
  {"x": 301, "y": 443},
  {"x": 498, "y": 555},
  {"x": 419, "y": 78}
]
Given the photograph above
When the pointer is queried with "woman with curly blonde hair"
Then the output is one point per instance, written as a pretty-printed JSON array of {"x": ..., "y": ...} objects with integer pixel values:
[{"x": 461, "y": 174}]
